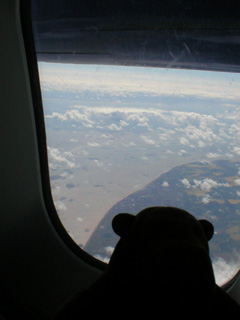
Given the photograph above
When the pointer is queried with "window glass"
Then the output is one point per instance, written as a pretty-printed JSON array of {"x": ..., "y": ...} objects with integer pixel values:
[{"x": 124, "y": 138}]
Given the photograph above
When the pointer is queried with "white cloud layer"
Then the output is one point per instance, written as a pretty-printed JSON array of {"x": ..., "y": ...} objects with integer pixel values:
[{"x": 122, "y": 80}]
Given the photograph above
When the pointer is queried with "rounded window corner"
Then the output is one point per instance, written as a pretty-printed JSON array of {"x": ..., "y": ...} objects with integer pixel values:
[{"x": 26, "y": 23}]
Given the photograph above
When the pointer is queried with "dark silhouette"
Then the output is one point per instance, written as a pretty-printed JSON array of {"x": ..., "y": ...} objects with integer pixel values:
[{"x": 160, "y": 268}]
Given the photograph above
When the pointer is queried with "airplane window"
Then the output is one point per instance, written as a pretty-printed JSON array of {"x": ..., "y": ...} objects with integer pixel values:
[{"x": 124, "y": 138}]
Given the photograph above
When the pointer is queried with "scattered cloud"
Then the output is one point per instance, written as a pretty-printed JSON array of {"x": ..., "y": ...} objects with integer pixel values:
[
  {"x": 236, "y": 150},
  {"x": 207, "y": 184},
  {"x": 201, "y": 144},
  {"x": 165, "y": 184},
  {"x": 102, "y": 258},
  {"x": 206, "y": 199},
  {"x": 184, "y": 141},
  {"x": 196, "y": 133},
  {"x": 186, "y": 183},
  {"x": 181, "y": 152},
  {"x": 212, "y": 155},
  {"x": 68, "y": 154},
  {"x": 56, "y": 156},
  {"x": 191, "y": 129},
  {"x": 109, "y": 249},
  {"x": 237, "y": 181},
  {"x": 93, "y": 144},
  {"x": 148, "y": 140},
  {"x": 124, "y": 123},
  {"x": 98, "y": 163},
  {"x": 114, "y": 127}
]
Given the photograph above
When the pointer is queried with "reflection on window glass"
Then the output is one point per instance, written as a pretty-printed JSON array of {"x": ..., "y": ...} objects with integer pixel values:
[{"x": 124, "y": 138}]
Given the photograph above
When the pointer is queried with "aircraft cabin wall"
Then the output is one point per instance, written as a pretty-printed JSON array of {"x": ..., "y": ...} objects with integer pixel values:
[
  {"x": 36, "y": 266},
  {"x": 38, "y": 270}
]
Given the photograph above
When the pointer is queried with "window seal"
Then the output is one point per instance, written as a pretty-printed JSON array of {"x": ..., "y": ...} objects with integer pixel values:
[{"x": 27, "y": 32}]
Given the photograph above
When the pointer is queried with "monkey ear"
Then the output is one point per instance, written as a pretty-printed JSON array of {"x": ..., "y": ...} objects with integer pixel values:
[
  {"x": 122, "y": 223},
  {"x": 208, "y": 228}
]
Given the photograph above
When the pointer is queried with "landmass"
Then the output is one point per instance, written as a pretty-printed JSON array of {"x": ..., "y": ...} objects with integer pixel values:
[{"x": 208, "y": 190}]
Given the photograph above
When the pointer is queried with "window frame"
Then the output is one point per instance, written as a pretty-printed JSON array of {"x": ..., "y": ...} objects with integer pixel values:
[{"x": 27, "y": 31}]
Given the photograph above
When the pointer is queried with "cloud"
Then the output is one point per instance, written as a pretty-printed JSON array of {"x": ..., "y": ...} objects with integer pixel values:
[
  {"x": 69, "y": 154},
  {"x": 195, "y": 132},
  {"x": 124, "y": 123},
  {"x": 207, "y": 184},
  {"x": 73, "y": 115},
  {"x": 212, "y": 155},
  {"x": 60, "y": 206},
  {"x": 101, "y": 258},
  {"x": 186, "y": 183},
  {"x": 56, "y": 190},
  {"x": 237, "y": 181},
  {"x": 98, "y": 163},
  {"x": 224, "y": 270},
  {"x": 181, "y": 152},
  {"x": 93, "y": 144},
  {"x": 236, "y": 150},
  {"x": 56, "y": 156},
  {"x": 206, "y": 199},
  {"x": 148, "y": 140},
  {"x": 109, "y": 249},
  {"x": 107, "y": 136},
  {"x": 191, "y": 128},
  {"x": 184, "y": 141},
  {"x": 130, "y": 144},
  {"x": 201, "y": 144},
  {"x": 141, "y": 116},
  {"x": 165, "y": 184},
  {"x": 164, "y": 137},
  {"x": 57, "y": 115},
  {"x": 114, "y": 127}
]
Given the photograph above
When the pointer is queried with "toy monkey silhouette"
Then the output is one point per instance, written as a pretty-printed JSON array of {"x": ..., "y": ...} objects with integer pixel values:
[{"x": 160, "y": 267}]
